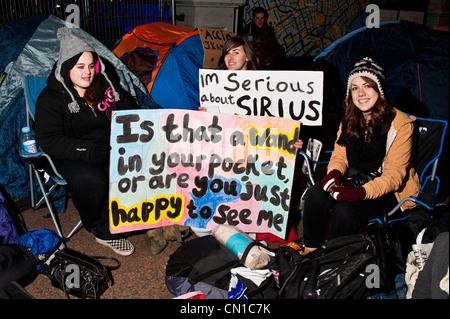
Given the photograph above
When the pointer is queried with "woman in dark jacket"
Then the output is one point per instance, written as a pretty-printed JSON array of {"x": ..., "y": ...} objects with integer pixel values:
[{"x": 73, "y": 123}]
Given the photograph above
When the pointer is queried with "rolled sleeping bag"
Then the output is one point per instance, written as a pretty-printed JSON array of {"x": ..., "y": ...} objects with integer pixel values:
[{"x": 242, "y": 246}]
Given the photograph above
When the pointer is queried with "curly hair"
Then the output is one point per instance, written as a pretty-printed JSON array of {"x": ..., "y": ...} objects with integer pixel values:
[
  {"x": 382, "y": 114},
  {"x": 235, "y": 42}
]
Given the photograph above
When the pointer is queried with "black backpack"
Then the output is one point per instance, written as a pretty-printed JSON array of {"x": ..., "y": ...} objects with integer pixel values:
[{"x": 337, "y": 270}]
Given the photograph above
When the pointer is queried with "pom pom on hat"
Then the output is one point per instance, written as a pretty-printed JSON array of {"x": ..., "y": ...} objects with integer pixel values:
[{"x": 368, "y": 68}]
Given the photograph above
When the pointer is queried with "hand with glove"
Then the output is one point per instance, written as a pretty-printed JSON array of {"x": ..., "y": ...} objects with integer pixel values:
[
  {"x": 347, "y": 194},
  {"x": 332, "y": 179},
  {"x": 101, "y": 153}
]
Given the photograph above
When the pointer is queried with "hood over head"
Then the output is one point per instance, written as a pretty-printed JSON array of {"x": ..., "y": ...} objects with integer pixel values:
[{"x": 71, "y": 48}]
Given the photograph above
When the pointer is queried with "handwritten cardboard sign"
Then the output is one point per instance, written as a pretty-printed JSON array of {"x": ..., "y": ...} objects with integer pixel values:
[
  {"x": 213, "y": 41},
  {"x": 200, "y": 169},
  {"x": 291, "y": 94}
]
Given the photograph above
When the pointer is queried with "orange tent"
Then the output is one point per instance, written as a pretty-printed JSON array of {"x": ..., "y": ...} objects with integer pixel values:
[{"x": 145, "y": 48}]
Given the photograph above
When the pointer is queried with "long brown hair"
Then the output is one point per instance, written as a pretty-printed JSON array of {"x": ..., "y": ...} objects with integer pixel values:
[
  {"x": 354, "y": 122},
  {"x": 89, "y": 93},
  {"x": 234, "y": 42}
]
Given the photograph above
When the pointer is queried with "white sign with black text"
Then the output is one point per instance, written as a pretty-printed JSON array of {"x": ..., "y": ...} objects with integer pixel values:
[{"x": 296, "y": 95}]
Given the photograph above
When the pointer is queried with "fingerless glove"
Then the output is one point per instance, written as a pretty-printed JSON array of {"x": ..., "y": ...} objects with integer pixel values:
[
  {"x": 348, "y": 194},
  {"x": 332, "y": 179}
]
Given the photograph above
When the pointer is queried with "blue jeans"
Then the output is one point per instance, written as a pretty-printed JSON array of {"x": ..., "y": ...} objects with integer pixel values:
[{"x": 346, "y": 218}]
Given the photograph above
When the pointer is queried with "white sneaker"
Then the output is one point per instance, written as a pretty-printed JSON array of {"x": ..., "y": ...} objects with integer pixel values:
[{"x": 121, "y": 246}]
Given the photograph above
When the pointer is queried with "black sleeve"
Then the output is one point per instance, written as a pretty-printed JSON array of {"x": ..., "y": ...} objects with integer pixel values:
[{"x": 50, "y": 129}]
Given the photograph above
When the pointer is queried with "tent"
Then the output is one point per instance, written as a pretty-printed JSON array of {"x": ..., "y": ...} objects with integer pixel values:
[
  {"x": 177, "y": 85},
  {"x": 145, "y": 48},
  {"x": 30, "y": 46},
  {"x": 166, "y": 58},
  {"x": 415, "y": 58}
]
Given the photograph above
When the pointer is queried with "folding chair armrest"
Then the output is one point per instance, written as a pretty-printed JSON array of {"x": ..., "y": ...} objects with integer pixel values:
[
  {"x": 409, "y": 199},
  {"x": 30, "y": 155},
  {"x": 50, "y": 161},
  {"x": 386, "y": 216},
  {"x": 309, "y": 160},
  {"x": 38, "y": 155}
]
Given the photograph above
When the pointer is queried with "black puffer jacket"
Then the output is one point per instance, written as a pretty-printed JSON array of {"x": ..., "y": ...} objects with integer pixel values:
[{"x": 69, "y": 135}]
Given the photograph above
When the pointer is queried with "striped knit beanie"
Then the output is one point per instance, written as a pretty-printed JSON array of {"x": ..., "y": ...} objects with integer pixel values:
[{"x": 368, "y": 68}]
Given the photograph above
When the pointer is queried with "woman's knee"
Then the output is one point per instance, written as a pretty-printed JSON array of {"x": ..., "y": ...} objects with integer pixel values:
[
  {"x": 343, "y": 220},
  {"x": 343, "y": 213},
  {"x": 316, "y": 194},
  {"x": 88, "y": 177}
]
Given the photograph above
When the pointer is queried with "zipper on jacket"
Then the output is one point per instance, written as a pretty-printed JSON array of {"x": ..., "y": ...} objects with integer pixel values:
[{"x": 90, "y": 106}]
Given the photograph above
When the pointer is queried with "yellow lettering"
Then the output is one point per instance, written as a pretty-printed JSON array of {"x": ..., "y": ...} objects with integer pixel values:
[{"x": 147, "y": 212}]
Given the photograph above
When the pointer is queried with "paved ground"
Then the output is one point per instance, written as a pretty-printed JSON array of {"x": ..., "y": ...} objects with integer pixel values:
[{"x": 140, "y": 276}]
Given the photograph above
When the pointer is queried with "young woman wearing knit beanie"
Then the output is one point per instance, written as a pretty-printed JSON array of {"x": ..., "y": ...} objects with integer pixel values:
[
  {"x": 73, "y": 123},
  {"x": 370, "y": 169}
]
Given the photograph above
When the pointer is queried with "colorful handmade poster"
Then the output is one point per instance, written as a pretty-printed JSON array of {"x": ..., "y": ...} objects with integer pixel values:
[{"x": 200, "y": 169}]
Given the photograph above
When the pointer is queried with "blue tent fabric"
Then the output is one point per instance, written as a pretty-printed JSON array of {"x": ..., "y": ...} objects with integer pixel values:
[
  {"x": 415, "y": 58},
  {"x": 177, "y": 86},
  {"x": 14, "y": 35},
  {"x": 29, "y": 46}
]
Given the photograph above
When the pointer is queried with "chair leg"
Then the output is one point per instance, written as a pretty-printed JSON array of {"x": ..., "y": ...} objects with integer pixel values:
[
  {"x": 30, "y": 171},
  {"x": 52, "y": 214},
  {"x": 74, "y": 230},
  {"x": 39, "y": 203}
]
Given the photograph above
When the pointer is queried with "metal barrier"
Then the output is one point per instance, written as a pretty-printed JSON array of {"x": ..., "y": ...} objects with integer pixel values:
[{"x": 106, "y": 20}]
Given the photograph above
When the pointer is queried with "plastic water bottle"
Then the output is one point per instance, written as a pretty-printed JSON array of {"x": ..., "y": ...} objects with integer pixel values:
[{"x": 28, "y": 141}]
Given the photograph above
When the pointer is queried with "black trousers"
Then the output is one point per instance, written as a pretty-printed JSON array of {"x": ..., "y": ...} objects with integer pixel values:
[
  {"x": 89, "y": 184},
  {"x": 346, "y": 218}
]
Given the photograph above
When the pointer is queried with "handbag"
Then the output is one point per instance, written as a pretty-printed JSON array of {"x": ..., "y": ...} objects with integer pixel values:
[
  {"x": 355, "y": 178},
  {"x": 78, "y": 274}
]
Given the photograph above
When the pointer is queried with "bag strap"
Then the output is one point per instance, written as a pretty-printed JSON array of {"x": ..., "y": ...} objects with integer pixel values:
[
  {"x": 293, "y": 254},
  {"x": 265, "y": 284},
  {"x": 74, "y": 256},
  {"x": 248, "y": 248},
  {"x": 109, "y": 267},
  {"x": 207, "y": 274},
  {"x": 309, "y": 290}
]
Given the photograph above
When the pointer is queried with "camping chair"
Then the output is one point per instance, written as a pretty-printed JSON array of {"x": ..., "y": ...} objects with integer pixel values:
[
  {"x": 428, "y": 140},
  {"x": 33, "y": 86},
  {"x": 312, "y": 157}
]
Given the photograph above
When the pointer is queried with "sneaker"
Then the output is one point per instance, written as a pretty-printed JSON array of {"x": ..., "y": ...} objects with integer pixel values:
[{"x": 121, "y": 246}]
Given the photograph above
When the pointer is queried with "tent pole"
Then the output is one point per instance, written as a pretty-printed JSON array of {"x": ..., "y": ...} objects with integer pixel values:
[{"x": 173, "y": 13}]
